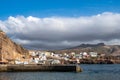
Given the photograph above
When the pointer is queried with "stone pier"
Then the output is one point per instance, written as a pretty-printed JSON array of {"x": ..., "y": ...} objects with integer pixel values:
[{"x": 35, "y": 67}]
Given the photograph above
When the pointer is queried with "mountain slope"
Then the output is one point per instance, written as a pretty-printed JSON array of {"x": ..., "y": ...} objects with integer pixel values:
[
  {"x": 100, "y": 48},
  {"x": 9, "y": 50}
]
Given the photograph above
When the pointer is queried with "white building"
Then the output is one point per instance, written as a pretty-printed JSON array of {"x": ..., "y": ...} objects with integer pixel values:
[
  {"x": 78, "y": 56},
  {"x": 72, "y": 53},
  {"x": 85, "y": 54},
  {"x": 55, "y": 62},
  {"x": 43, "y": 58},
  {"x": 93, "y": 54}
]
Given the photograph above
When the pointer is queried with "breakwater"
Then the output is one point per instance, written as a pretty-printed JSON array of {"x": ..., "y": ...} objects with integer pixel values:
[{"x": 34, "y": 67}]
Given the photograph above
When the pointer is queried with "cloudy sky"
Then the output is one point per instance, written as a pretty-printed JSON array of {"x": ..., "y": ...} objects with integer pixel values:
[{"x": 58, "y": 24}]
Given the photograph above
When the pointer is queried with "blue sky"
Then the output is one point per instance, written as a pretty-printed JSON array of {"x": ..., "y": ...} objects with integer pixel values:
[
  {"x": 58, "y": 24},
  {"x": 44, "y": 8}
]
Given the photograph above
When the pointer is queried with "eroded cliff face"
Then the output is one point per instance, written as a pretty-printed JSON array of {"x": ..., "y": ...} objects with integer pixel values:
[{"x": 9, "y": 50}]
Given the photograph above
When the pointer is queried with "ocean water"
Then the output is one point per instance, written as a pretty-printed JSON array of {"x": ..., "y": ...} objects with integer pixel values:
[{"x": 90, "y": 72}]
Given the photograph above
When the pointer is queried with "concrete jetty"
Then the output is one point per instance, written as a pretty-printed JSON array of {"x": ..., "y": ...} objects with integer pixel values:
[{"x": 43, "y": 68}]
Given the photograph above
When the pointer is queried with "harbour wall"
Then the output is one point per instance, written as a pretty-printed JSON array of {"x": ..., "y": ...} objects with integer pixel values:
[{"x": 43, "y": 68}]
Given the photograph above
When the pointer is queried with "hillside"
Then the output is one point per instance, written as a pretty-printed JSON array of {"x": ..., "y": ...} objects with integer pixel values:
[
  {"x": 100, "y": 48},
  {"x": 9, "y": 50}
]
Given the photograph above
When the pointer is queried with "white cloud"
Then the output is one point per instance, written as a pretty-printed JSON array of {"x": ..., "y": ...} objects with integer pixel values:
[{"x": 60, "y": 32}]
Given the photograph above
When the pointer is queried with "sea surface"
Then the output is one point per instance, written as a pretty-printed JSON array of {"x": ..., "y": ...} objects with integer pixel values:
[{"x": 90, "y": 72}]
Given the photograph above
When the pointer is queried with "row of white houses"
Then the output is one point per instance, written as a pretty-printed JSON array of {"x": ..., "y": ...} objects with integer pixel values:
[{"x": 41, "y": 57}]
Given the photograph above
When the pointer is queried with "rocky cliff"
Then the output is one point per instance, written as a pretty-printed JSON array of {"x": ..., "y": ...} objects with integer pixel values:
[{"x": 9, "y": 50}]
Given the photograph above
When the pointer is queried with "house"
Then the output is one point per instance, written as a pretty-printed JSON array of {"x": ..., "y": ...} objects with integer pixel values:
[
  {"x": 93, "y": 54},
  {"x": 85, "y": 55},
  {"x": 47, "y": 53},
  {"x": 72, "y": 53},
  {"x": 52, "y": 54},
  {"x": 55, "y": 62},
  {"x": 78, "y": 56}
]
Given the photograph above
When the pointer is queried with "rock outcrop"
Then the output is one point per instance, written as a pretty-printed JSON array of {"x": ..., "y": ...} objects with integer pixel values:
[{"x": 9, "y": 50}]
